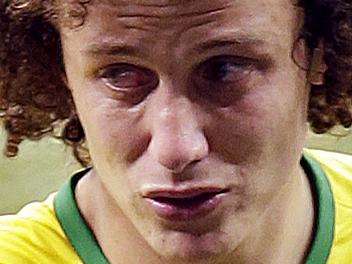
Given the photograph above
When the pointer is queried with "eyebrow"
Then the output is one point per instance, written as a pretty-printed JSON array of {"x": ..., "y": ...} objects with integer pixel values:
[
  {"x": 111, "y": 49},
  {"x": 220, "y": 43},
  {"x": 130, "y": 50}
]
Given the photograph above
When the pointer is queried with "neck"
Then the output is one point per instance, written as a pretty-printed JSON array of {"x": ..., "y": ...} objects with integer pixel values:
[
  {"x": 117, "y": 237},
  {"x": 282, "y": 235},
  {"x": 284, "y": 232}
]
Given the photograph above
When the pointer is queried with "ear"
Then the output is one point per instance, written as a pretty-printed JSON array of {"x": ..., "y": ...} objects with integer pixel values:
[{"x": 317, "y": 66}]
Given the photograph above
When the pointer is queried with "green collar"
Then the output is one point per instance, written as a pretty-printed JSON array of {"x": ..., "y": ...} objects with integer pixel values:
[
  {"x": 84, "y": 242},
  {"x": 325, "y": 211},
  {"x": 75, "y": 227}
]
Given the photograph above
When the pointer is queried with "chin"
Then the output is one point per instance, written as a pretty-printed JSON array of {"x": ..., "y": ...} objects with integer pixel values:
[{"x": 189, "y": 247}]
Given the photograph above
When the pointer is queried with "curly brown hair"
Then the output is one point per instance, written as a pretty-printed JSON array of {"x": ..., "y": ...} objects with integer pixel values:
[{"x": 34, "y": 97}]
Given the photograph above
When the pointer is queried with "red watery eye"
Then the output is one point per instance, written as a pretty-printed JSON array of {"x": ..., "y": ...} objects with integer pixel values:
[
  {"x": 129, "y": 83},
  {"x": 125, "y": 76}
]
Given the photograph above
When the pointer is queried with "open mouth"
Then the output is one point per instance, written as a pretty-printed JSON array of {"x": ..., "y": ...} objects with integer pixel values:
[
  {"x": 178, "y": 206},
  {"x": 187, "y": 203}
]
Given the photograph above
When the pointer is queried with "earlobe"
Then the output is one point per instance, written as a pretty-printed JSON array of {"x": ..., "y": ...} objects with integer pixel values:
[{"x": 317, "y": 66}]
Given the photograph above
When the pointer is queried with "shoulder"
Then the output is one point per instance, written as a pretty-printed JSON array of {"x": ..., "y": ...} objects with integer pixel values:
[
  {"x": 338, "y": 169},
  {"x": 332, "y": 159},
  {"x": 34, "y": 235}
]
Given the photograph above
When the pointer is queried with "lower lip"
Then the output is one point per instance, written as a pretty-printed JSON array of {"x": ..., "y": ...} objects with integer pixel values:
[{"x": 184, "y": 211}]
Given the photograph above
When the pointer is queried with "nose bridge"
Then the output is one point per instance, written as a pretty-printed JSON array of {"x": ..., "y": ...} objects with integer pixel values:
[
  {"x": 177, "y": 117},
  {"x": 177, "y": 132}
]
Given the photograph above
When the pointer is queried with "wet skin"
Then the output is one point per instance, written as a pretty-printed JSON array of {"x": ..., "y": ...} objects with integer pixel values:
[{"x": 184, "y": 95}]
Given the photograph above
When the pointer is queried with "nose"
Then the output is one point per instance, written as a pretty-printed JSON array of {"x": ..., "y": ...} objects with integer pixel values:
[{"x": 178, "y": 138}]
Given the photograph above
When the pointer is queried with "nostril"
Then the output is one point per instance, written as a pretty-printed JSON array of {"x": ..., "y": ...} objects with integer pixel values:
[
  {"x": 175, "y": 163},
  {"x": 176, "y": 154},
  {"x": 178, "y": 141}
]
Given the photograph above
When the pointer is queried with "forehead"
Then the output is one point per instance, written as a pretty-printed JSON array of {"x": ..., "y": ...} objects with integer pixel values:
[
  {"x": 184, "y": 8},
  {"x": 180, "y": 22}
]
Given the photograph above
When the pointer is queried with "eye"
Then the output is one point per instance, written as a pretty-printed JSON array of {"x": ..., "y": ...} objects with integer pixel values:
[
  {"x": 224, "y": 79},
  {"x": 225, "y": 69},
  {"x": 126, "y": 77}
]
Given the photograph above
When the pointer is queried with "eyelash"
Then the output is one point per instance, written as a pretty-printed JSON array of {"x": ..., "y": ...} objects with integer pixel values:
[
  {"x": 133, "y": 87},
  {"x": 243, "y": 66},
  {"x": 126, "y": 70}
]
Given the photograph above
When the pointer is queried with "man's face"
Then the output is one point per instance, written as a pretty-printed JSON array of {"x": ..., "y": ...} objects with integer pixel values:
[{"x": 194, "y": 112}]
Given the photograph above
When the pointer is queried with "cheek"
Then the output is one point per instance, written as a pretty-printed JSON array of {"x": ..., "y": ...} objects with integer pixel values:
[
  {"x": 267, "y": 126},
  {"x": 280, "y": 103},
  {"x": 260, "y": 119},
  {"x": 113, "y": 133}
]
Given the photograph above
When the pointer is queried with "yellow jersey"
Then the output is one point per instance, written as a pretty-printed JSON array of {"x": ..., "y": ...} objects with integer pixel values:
[{"x": 54, "y": 231}]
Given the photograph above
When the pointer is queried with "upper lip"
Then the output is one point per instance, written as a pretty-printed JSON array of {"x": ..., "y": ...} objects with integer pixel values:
[{"x": 182, "y": 193}]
